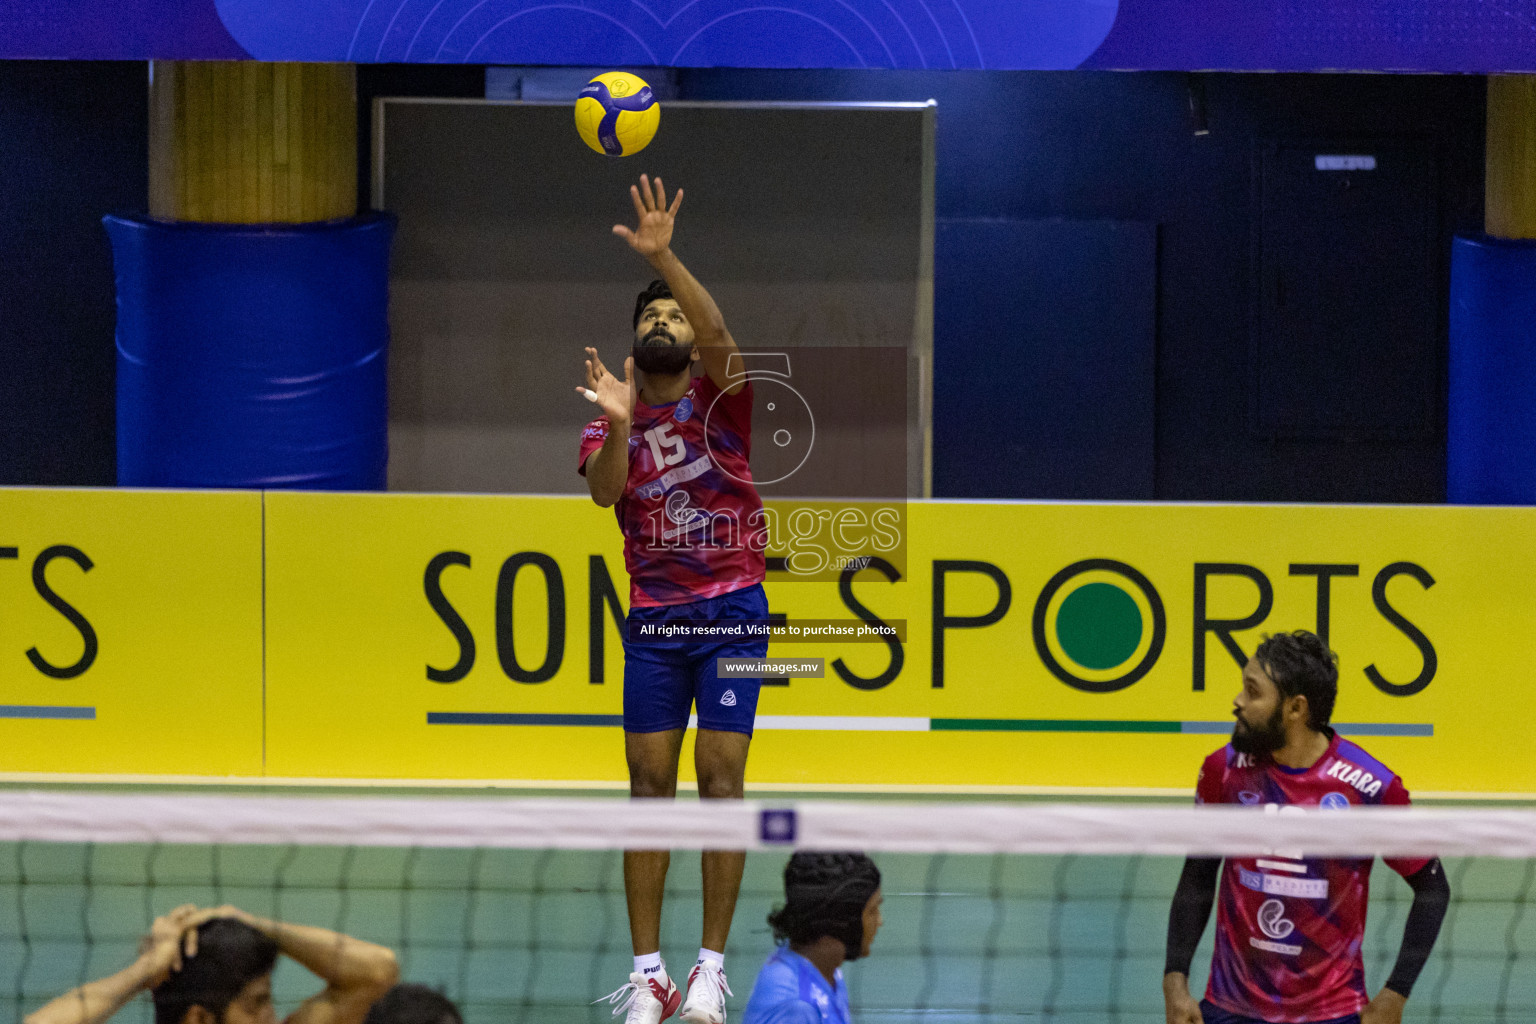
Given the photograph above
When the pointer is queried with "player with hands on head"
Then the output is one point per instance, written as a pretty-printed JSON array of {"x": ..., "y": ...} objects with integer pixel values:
[
  {"x": 214, "y": 966},
  {"x": 170, "y": 938},
  {"x": 670, "y": 453},
  {"x": 1289, "y": 927}
]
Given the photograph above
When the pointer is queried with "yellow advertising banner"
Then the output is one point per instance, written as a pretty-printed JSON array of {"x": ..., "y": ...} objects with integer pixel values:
[
  {"x": 426, "y": 637},
  {"x": 383, "y": 610},
  {"x": 130, "y": 632}
]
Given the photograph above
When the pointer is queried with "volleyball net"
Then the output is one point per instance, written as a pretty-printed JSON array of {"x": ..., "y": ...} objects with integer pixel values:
[{"x": 515, "y": 907}]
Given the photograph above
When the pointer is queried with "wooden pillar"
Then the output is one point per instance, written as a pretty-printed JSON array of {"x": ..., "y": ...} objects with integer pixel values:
[
  {"x": 1509, "y": 204},
  {"x": 244, "y": 142}
]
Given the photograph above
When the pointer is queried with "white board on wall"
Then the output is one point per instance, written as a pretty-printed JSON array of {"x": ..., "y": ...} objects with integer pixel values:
[{"x": 811, "y": 224}]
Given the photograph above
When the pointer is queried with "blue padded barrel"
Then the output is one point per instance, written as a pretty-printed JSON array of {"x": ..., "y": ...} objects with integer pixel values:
[
  {"x": 252, "y": 356},
  {"x": 1491, "y": 415}
]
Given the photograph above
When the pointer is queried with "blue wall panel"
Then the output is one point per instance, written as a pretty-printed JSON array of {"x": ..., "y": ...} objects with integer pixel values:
[
  {"x": 72, "y": 147},
  {"x": 1044, "y": 338},
  {"x": 1491, "y": 419}
]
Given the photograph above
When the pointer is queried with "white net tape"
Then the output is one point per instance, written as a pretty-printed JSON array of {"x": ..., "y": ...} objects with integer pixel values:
[{"x": 589, "y": 824}]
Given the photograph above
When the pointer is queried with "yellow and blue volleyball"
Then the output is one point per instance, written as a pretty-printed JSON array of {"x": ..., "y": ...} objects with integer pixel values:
[{"x": 617, "y": 113}]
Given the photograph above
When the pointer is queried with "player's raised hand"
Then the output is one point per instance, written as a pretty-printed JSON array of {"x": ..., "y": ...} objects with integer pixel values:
[
  {"x": 615, "y": 397},
  {"x": 161, "y": 950},
  {"x": 653, "y": 231}
]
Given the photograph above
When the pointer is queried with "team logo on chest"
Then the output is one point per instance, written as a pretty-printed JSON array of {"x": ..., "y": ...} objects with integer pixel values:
[
  {"x": 1272, "y": 920},
  {"x": 1273, "y": 923},
  {"x": 680, "y": 512}
]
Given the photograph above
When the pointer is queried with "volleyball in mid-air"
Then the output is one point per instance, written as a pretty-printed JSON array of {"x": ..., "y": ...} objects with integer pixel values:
[{"x": 617, "y": 113}]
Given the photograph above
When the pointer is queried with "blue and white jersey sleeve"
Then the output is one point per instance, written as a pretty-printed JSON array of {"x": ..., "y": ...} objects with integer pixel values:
[
  {"x": 789, "y": 990},
  {"x": 794, "y": 1012}
]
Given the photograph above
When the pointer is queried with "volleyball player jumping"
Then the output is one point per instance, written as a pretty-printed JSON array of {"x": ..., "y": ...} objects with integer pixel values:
[
  {"x": 1289, "y": 927},
  {"x": 671, "y": 456}
]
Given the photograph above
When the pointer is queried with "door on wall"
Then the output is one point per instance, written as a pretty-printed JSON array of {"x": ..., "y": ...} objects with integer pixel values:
[{"x": 1348, "y": 291}]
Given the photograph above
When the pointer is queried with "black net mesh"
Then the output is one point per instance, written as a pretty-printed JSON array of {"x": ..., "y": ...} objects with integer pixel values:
[{"x": 517, "y": 935}]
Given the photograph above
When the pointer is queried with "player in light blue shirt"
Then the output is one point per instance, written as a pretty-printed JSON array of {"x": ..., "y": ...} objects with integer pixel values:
[{"x": 830, "y": 914}]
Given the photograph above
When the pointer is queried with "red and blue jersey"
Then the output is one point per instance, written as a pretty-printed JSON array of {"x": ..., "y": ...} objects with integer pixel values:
[
  {"x": 1288, "y": 926},
  {"x": 692, "y": 520}
]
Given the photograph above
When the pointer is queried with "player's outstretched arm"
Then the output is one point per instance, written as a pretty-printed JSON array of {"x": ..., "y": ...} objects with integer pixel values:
[
  {"x": 1431, "y": 899},
  {"x": 652, "y": 238},
  {"x": 607, "y": 469},
  {"x": 1191, "y": 909},
  {"x": 356, "y": 973},
  {"x": 96, "y": 1001}
]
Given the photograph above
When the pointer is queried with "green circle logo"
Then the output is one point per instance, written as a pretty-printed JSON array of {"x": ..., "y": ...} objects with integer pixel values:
[
  {"x": 1090, "y": 639},
  {"x": 1099, "y": 626}
]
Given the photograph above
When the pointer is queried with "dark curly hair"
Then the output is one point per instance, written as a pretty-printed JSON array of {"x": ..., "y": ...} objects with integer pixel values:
[
  {"x": 230, "y": 955},
  {"x": 1302, "y": 665},
  {"x": 413, "y": 1004},
  {"x": 653, "y": 291},
  {"x": 825, "y": 894}
]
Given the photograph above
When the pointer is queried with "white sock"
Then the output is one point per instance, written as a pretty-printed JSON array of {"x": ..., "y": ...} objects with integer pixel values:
[
  {"x": 650, "y": 965},
  {"x": 718, "y": 959}
]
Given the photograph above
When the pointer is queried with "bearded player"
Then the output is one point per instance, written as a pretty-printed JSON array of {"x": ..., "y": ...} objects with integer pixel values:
[
  {"x": 670, "y": 454},
  {"x": 1289, "y": 927}
]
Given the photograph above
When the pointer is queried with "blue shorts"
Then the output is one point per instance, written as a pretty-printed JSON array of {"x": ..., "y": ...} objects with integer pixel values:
[
  {"x": 663, "y": 680},
  {"x": 1213, "y": 1014}
]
